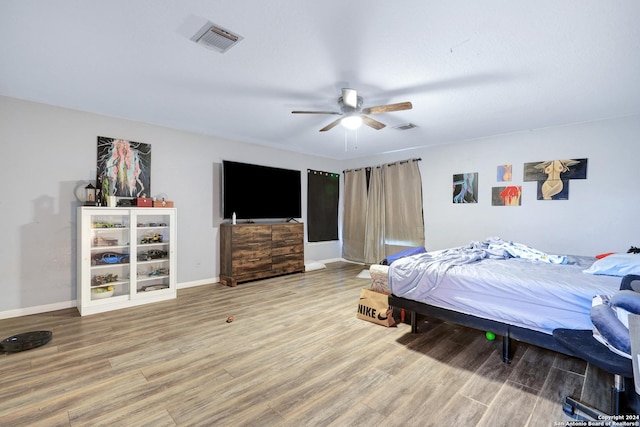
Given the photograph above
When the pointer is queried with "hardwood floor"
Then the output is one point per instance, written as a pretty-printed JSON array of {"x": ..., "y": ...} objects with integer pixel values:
[{"x": 295, "y": 355}]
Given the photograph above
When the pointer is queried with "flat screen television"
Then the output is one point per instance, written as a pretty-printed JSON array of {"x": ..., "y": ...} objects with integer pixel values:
[{"x": 260, "y": 192}]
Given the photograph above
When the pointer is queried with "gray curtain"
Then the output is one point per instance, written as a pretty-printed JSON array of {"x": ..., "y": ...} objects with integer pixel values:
[
  {"x": 385, "y": 219},
  {"x": 375, "y": 219},
  {"x": 354, "y": 215}
]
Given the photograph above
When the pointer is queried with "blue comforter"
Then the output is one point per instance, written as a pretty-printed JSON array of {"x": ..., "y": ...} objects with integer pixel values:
[
  {"x": 504, "y": 281},
  {"x": 436, "y": 264}
]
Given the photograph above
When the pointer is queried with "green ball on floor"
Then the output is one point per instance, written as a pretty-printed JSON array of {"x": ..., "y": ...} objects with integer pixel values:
[{"x": 490, "y": 336}]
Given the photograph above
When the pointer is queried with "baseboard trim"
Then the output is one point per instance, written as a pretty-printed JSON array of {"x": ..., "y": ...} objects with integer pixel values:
[
  {"x": 201, "y": 282},
  {"x": 26, "y": 311},
  {"x": 18, "y": 312}
]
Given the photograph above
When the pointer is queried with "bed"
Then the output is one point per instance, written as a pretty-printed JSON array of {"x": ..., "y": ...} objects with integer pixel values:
[{"x": 506, "y": 288}]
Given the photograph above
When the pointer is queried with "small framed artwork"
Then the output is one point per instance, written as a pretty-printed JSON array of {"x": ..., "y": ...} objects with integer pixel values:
[
  {"x": 504, "y": 173},
  {"x": 465, "y": 187},
  {"x": 506, "y": 196}
]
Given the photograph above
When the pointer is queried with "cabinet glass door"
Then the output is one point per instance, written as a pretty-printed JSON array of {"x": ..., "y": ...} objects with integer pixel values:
[
  {"x": 152, "y": 260},
  {"x": 110, "y": 255}
]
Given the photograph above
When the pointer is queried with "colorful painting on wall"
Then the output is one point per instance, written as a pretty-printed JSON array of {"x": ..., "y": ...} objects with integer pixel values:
[
  {"x": 465, "y": 188},
  {"x": 123, "y": 169},
  {"x": 504, "y": 173},
  {"x": 553, "y": 176},
  {"x": 506, "y": 196}
]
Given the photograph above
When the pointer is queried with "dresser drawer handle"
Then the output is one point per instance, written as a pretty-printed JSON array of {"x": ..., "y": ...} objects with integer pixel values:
[{"x": 254, "y": 259}]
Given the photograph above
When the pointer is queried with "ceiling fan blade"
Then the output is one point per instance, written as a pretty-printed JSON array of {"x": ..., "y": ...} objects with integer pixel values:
[
  {"x": 387, "y": 108},
  {"x": 315, "y": 112},
  {"x": 330, "y": 125},
  {"x": 372, "y": 123},
  {"x": 350, "y": 97}
]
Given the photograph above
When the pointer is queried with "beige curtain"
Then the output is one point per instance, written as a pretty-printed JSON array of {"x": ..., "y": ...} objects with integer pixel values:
[
  {"x": 375, "y": 219},
  {"x": 354, "y": 215},
  {"x": 389, "y": 218},
  {"x": 404, "y": 221}
]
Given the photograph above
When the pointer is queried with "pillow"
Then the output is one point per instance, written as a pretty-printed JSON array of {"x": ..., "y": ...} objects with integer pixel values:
[
  {"x": 608, "y": 328},
  {"x": 627, "y": 300},
  {"x": 616, "y": 265},
  {"x": 604, "y": 255},
  {"x": 407, "y": 252}
]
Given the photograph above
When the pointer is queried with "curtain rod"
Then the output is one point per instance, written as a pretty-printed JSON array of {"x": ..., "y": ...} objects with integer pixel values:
[{"x": 418, "y": 159}]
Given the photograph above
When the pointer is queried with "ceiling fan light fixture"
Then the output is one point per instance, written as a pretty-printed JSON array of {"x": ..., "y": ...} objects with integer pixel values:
[
  {"x": 352, "y": 122},
  {"x": 353, "y": 116}
]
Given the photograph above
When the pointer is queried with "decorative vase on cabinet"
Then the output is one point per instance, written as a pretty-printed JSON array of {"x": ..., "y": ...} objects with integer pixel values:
[{"x": 126, "y": 257}]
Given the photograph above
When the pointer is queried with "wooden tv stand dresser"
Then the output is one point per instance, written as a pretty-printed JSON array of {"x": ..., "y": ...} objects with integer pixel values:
[{"x": 260, "y": 250}]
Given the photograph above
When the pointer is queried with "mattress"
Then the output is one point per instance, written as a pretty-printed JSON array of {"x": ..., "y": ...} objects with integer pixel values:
[{"x": 527, "y": 293}]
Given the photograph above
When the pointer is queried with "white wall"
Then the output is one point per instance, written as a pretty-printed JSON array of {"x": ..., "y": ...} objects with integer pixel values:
[
  {"x": 601, "y": 214},
  {"x": 48, "y": 152}
]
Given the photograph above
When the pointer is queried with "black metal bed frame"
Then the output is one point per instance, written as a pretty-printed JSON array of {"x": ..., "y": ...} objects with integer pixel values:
[{"x": 508, "y": 332}]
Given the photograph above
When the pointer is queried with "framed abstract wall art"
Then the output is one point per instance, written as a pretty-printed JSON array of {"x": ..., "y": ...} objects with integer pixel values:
[
  {"x": 465, "y": 187},
  {"x": 504, "y": 173},
  {"x": 506, "y": 196},
  {"x": 553, "y": 176},
  {"x": 123, "y": 168}
]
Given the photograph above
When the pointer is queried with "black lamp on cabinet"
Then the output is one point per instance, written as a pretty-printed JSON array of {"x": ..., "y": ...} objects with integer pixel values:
[{"x": 90, "y": 195}]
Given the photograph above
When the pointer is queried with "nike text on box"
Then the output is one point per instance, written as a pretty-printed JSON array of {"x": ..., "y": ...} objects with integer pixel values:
[{"x": 374, "y": 307}]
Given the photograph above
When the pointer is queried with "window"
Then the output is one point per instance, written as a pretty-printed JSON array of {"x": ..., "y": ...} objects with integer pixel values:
[{"x": 323, "y": 191}]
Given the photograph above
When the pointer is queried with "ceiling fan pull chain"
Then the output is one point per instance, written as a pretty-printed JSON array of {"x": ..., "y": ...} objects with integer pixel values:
[
  {"x": 345, "y": 141},
  {"x": 355, "y": 146}
]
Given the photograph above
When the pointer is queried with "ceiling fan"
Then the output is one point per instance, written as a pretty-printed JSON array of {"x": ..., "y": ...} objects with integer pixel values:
[{"x": 353, "y": 116}]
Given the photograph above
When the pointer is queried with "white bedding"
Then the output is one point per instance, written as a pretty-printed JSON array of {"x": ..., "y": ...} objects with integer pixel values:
[{"x": 532, "y": 294}]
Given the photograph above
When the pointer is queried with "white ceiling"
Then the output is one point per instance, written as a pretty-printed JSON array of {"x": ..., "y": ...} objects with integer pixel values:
[{"x": 471, "y": 68}]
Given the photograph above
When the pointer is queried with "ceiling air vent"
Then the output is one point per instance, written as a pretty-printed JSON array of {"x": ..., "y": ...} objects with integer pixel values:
[
  {"x": 215, "y": 37},
  {"x": 405, "y": 126}
]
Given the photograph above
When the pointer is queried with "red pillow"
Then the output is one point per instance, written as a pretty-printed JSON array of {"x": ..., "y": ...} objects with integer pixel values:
[{"x": 604, "y": 255}]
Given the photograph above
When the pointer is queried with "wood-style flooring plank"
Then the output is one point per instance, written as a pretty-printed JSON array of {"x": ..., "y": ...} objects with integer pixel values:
[
  {"x": 294, "y": 355},
  {"x": 512, "y": 406},
  {"x": 559, "y": 383}
]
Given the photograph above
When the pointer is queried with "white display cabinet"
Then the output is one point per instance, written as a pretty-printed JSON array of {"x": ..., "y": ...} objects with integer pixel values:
[{"x": 126, "y": 257}]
